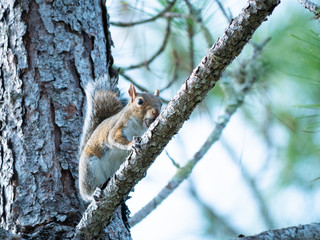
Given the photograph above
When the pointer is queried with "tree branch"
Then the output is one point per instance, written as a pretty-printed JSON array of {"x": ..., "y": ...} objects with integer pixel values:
[
  {"x": 129, "y": 79},
  {"x": 301, "y": 232},
  {"x": 137, "y": 85},
  {"x": 228, "y": 17},
  {"x": 195, "y": 15},
  {"x": 190, "y": 31},
  {"x": 175, "y": 71},
  {"x": 157, "y": 53},
  {"x": 184, "y": 172},
  {"x": 312, "y": 7},
  {"x": 191, "y": 93},
  {"x": 234, "y": 101}
]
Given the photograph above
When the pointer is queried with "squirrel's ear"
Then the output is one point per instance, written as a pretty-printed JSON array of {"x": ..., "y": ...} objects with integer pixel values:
[
  {"x": 156, "y": 92},
  {"x": 132, "y": 92}
]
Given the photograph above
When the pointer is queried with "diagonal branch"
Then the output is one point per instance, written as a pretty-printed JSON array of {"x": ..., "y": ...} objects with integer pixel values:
[
  {"x": 235, "y": 100},
  {"x": 157, "y": 53},
  {"x": 191, "y": 93},
  {"x": 175, "y": 71},
  {"x": 228, "y": 17},
  {"x": 312, "y": 7},
  {"x": 184, "y": 172},
  {"x": 130, "y": 80},
  {"x": 301, "y": 232}
]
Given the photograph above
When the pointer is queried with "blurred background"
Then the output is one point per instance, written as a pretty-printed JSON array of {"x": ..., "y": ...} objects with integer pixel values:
[{"x": 263, "y": 171}]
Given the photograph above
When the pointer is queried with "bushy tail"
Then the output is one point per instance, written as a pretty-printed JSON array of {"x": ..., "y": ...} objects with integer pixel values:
[{"x": 103, "y": 101}]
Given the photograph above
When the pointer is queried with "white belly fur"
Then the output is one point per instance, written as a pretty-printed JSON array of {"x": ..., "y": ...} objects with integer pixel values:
[
  {"x": 134, "y": 128},
  {"x": 111, "y": 162},
  {"x": 114, "y": 157}
]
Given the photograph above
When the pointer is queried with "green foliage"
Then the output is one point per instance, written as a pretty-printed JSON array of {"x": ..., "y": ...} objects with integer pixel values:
[{"x": 293, "y": 65}]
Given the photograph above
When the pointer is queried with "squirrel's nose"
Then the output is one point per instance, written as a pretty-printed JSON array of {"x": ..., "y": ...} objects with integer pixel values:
[{"x": 155, "y": 112}]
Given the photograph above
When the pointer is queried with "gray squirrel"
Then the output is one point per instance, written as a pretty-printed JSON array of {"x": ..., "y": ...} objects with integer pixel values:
[{"x": 109, "y": 129}]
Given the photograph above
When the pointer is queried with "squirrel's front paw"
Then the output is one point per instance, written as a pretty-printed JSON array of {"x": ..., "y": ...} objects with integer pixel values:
[
  {"x": 97, "y": 194},
  {"x": 136, "y": 144}
]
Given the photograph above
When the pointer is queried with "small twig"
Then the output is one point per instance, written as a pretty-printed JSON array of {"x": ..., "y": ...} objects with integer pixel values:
[
  {"x": 175, "y": 71},
  {"x": 196, "y": 16},
  {"x": 215, "y": 219},
  {"x": 257, "y": 48},
  {"x": 312, "y": 7},
  {"x": 189, "y": 5},
  {"x": 142, "y": 88},
  {"x": 129, "y": 79},
  {"x": 161, "y": 49},
  {"x": 190, "y": 31},
  {"x": 207, "y": 35},
  {"x": 130, "y": 24},
  {"x": 174, "y": 163},
  {"x": 252, "y": 184},
  {"x": 175, "y": 15},
  {"x": 224, "y": 12}
]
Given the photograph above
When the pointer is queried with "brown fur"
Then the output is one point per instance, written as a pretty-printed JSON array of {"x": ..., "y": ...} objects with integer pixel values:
[{"x": 95, "y": 163}]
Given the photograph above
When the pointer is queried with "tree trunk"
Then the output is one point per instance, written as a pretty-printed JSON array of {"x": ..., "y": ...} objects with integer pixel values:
[{"x": 48, "y": 51}]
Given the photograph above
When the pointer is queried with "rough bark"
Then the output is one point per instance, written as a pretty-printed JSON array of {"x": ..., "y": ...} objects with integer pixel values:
[
  {"x": 192, "y": 92},
  {"x": 48, "y": 51},
  {"x": 312, "y": 7},
  {"x": 301, "y": 232}
]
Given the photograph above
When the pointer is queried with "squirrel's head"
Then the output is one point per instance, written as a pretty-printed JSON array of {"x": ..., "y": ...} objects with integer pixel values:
[{"x": 145, "y": 106}]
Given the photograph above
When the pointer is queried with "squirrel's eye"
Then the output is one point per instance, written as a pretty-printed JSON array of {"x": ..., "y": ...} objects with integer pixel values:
[{"x": 140, "y": 101}]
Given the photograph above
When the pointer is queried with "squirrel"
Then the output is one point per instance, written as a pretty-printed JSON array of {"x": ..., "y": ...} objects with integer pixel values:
[{"x": 110, "y": 130}]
